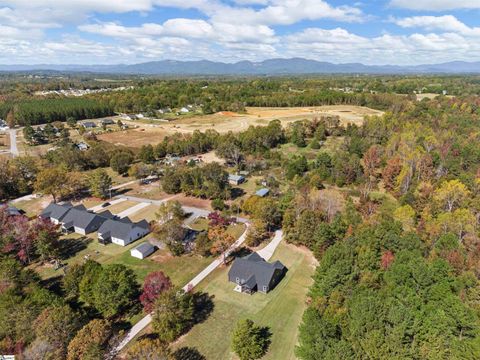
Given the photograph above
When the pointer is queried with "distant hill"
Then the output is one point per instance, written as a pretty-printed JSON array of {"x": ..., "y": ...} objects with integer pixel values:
[{"x": 293, "y": 66}]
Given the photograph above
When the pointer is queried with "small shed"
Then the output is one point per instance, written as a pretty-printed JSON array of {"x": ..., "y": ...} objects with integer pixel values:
[
  {"x": 262, "y": 192},
  {"x": 236, "y": 179},
  {"x": 142, "y": 251}
]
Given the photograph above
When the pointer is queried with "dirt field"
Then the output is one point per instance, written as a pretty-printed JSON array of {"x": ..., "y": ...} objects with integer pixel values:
[
  {"x": 430, "y": 96},
  {"x": 227, "y": 121}
]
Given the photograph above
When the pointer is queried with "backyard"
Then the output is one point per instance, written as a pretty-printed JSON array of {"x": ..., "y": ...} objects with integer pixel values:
[{"x": 77, "y": 248}]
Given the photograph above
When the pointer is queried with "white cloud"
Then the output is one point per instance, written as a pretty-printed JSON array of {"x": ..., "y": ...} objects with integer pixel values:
[
  {"x": 447, "y": 23},
  {"x": 339, "y": 45},
  {"x": 436, "y": 5}
]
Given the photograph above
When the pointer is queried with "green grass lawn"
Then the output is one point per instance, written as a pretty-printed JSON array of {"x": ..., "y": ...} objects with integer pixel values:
[
  {"x": 236, "y": 230},
  {"x": 331, "y": 146},
  {"x": 147, "y": 213},
  {"x": 179, "y": 269},
  {"x": 33, "y": 207},
  {"x": 281, "y": 310},
  {"x": 121, "y": 206},
  {"x": 200, "y": 224}
]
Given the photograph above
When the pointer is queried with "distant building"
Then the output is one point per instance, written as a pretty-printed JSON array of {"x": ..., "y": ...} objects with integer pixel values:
[
  {"x": 142, "y": 251},
  {"x": 107, "y": 122},
  {"x": 252, "y": 273},
  {"x": 89, "y": 125},
  {"x": 236, "y": 179},
  {"x": 262, "y": 192},
  {"x": 83, "y": 146},
  {"x": 122, "y": 231},
  {"x": 129, "y": 116}
]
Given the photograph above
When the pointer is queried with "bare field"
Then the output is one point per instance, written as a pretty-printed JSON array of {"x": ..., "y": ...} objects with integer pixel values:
[{"x": 224, "y": 122}]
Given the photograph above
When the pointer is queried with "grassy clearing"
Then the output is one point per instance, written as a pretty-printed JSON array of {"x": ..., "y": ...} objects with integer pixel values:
[
  {"x": 236, "y": 230},
  {"x": 281, "y": 309},
  {"x": 200, "y": 224},
  {"x": 331, "y": 146},
  {"x": 34, "y": 206}
]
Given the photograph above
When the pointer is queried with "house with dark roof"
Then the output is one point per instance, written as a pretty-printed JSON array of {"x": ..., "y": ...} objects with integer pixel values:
[
  {"x": 12, "y": 211},
  {"x": 122, "y": 231},
  {"x": 107, "y": 122},
  {"x": 252, "y": 273},
  {"x": 56, "y": 212},
  {"x": 84, "y": 222},
  {"x": 89, "y": 125}
]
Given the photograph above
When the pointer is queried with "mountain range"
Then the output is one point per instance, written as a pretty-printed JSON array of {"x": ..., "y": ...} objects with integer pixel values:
[{"x": 293, "y": 66}]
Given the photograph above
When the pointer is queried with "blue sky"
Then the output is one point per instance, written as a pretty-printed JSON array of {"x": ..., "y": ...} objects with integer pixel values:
[{"x": 400, "y": 32}]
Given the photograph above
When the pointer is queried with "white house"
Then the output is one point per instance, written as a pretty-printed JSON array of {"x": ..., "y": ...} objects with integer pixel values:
[
  {"x": 123, "y": 231},
  {"x": 142, "y": 251}
]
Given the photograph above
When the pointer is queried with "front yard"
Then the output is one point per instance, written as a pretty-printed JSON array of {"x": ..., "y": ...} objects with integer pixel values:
[{"x": 281, "y": 309}]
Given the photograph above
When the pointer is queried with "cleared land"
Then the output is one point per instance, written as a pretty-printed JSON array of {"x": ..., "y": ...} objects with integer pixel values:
[
  {"x": 154, "y": 132},
  {"x": 281, "y": 309}
]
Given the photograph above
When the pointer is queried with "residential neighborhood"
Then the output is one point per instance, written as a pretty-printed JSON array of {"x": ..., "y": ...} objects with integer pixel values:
[{"x": 168, "y": 200}]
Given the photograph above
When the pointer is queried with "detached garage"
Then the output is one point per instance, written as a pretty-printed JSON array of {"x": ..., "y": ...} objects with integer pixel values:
[{"x": 142, "y": 251}]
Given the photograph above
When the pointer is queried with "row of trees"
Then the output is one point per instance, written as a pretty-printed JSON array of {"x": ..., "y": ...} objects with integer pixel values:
[{"x": 42, "y": 111}]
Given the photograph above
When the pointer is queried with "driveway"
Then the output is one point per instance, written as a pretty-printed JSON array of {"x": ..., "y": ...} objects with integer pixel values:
[
  {"x": 138, "y": 327},
  {"x": 267, "y": 251},
  {"x": 13, "y": 143}
]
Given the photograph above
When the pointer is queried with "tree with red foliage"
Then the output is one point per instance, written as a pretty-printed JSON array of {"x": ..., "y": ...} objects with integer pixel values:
[
  {"x": 25, "y": 238},
  {"x": 155, "y": 283},
  {"x": 19, "y": 238},
  {"x": 218, "y": 220},
  {"x": 387, "y": 259}
]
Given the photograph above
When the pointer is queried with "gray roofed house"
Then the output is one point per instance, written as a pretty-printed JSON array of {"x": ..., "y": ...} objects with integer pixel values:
[
  {"x": 89, "y": 125},
  {"x": 252, "y": 273},
  {"x": 13, "y": 211},
  {"x": 56, "y": 212},
  {"x": 142, "y": 251},
  {"x": 236, "y": 179},
  {"x": 82, "y": 221},
  {"x": 107, "y": 121},
  {"x": 122, "y": 231}
]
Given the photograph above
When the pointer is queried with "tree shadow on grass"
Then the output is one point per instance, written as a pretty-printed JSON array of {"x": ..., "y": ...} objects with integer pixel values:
[
  {"x": 188, "y": 353},
  {"x": 70, "y": 247},
  {"x": 236, "y": 193},
  {"x": 204, "y": 306},
  {"x": 266, "y": 334}
]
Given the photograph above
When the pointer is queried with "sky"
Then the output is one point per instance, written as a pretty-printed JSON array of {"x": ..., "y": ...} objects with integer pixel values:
[{"x": 374, "y": 32}]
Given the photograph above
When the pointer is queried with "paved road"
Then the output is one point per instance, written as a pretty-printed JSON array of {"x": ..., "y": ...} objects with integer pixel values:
[
  {"x": 13, "y": 143},
  {"x": 138, "y": 327},
  {"x": 195, "y": 212},
  {"x": 267, "y": 251}
]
